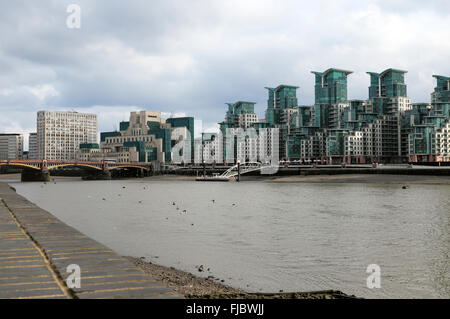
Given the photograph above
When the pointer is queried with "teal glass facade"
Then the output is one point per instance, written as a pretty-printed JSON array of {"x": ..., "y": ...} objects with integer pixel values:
[
  {"x": 390, "y": 83},
  {"x": 331, "y": 86},
  {"x": 187, "y": 122},
  {"x": 104, "y": 135}
]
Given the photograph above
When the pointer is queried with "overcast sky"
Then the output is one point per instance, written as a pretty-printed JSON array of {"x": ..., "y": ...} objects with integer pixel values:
[{"x": 191, "y": 57}]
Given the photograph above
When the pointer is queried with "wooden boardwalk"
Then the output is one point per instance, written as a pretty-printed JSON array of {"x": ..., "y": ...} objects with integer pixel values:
[{"x": 36, "y": 248}]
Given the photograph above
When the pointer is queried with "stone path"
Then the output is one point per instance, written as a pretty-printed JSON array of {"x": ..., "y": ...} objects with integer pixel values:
[{"x": 36, "y": 248}]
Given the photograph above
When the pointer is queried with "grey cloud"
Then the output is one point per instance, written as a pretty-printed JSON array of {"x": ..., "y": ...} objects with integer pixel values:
[{"x": 193, "y": 56}]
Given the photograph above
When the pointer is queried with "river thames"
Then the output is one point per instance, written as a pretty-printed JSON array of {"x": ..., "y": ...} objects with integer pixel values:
[{"x": 264, "y": 236}]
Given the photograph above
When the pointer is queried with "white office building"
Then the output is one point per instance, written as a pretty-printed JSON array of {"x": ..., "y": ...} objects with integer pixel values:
[{"x": 59, "y": 134}]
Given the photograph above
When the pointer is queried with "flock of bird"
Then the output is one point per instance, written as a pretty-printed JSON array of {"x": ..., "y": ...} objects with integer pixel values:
[{"x": 184, "y": 211}]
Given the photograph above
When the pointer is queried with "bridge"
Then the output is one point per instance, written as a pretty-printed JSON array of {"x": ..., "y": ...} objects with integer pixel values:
[
  {"x": 237, "y": 170},
  {"x": 39, "y": 170}
]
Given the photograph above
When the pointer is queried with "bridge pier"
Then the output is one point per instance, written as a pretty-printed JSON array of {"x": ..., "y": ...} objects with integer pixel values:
[
  {"x": 141, "y": 173},
  {"x": 35, "y": 176}
]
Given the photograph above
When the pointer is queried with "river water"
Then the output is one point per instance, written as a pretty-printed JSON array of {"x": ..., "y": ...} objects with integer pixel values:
[{"x": 263, "y": 236}]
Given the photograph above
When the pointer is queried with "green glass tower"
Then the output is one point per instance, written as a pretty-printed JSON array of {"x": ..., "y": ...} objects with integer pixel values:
[
  {"x": 330, "y": 92},
  {"x": 440, "y": 98},
  {"x": 389, "y": 84},
  {"x": 280, "y": 98}
]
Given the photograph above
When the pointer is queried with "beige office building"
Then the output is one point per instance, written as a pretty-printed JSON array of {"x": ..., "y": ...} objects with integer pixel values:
[{"x": 59, "y": 134}]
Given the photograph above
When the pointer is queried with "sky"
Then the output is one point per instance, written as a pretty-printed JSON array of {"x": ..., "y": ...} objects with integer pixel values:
[{"x": 189, "y": 58}]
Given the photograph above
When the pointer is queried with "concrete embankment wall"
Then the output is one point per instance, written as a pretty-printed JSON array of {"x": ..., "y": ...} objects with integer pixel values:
[
  {"x": 328, "y": 171},
  {"x": 37, "y": 249}
]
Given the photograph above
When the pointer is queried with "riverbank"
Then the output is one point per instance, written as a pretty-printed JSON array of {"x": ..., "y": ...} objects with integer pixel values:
[
  {"x": 343, "y": 178},
  {"x": 365, "y": 178},
  {"x": 195, "y": 287},
  {"x": 39, "y": 253}
]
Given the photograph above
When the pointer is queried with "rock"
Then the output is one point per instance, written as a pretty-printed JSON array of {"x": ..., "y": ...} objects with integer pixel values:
[{"x": 200, "y": 269}]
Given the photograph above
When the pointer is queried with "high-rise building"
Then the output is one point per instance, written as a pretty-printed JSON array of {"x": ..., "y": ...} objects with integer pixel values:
[
  {"x": 330, "y": 97},
  {"x": 428, "y": 126},
  {"x": 183, "y": 132},
  {"x": 336, "y": 130},
  {"x": 388, "y": 98},
  {"x": 11, "y": 146},
  {"x": 32, "y": 146},
  {"x": 246, "y": 139},
  {"x": 241, "y": 114},
  {"x": 59, "y": 134},
  {"x": 282, "y": 105},
  {"x": 440, "y": 98}
]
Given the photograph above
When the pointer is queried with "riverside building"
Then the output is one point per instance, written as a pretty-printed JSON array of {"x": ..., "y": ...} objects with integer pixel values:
[
  {"x": 59, "y": 134},
  {"x": 243, "y": 138},
  {"x": 384, "y": 128},
  {"x": 146, "y": 137},
  {"x": 336, "y": 130},
  {"x": 428, "y": 126},
  {"x": 32, "y": 146},
  {"x": 11, "y": 146},
  {"x": 209, "y": 149}
]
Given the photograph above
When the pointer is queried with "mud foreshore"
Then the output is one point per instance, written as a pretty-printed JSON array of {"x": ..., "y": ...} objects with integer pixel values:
[
  {"x": 344, "y": 178},
  {"x": 195, "y": 287}
]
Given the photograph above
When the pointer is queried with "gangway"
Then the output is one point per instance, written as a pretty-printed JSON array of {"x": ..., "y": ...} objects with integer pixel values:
[{"x": 238, "y": 169}]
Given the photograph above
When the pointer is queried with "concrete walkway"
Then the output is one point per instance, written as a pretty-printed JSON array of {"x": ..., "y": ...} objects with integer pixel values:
[{"x": 36, "y": 248}]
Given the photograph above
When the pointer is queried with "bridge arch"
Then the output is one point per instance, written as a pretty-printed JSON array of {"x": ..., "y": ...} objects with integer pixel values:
[
  {"x": 78, "y": 165},
  {"x": 21, "y": 165},
  {"x": 128, "y": 166}
]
